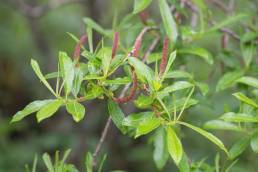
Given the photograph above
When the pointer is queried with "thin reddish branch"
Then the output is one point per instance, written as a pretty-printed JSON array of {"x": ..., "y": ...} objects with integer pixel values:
[
  {"x": 132, "y": 92},
  {"x": 164, "y": 58},
  {"x": 77, "y": 51},
  {"x": 115, "y": 44}
]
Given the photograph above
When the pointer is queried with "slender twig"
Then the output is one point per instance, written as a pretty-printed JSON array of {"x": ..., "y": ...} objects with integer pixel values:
[
  {"x": 151, "y": 48},
  {"x": 105, "y": 130}
]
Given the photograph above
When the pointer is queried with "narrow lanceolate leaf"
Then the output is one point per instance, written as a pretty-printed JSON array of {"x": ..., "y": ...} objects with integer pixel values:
[
  {"x": 142, "y": 70},
  {"x": 199, "y": 52},
  {"x": 89, "y": 162},
  {"x": 117, "y": 115},
  {"x": 251, "y": 81},
  {"x": 239, "y": 147},
  {"x": 90, "y": 23},
  {"x": 228, "y": 79},
  {"x": 254, "y": 142},
  {"x": 174, "y": 145},
  {"x": 140, "y": 5},
  {"x": 133, "y": 120},
  {"x": 221, "y": 125},
  {"x": 245, "y": 99},
  {"x": 76, "y": 109},
  {"x": 175, "y": 87},
  {"x": 48, "y": 163},
  {"x": 239, "y": 117},
  {"x": 171, "y": 59},
  {"x": 160, "y": 154},
  {"x": 48, "y": 110},
  {"x": 147, "y": 126},
  {"x": 30, "y": 108},
  {"x": 168, "y": 21},
  {"x": 67, "y": 68},
  {"x": 228, "y": 21},
  {"x": 37, "y": 70},
  {"x": 206, "y": 134}
]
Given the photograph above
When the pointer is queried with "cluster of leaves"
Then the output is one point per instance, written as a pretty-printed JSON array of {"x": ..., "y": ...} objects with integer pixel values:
[
  {"x": 160, "y": 92},
  {"x": 60, "y": 165}
]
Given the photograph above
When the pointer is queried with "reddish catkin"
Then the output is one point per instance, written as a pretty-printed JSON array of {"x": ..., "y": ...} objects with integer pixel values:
[
  {"x": 77, "y": 51},
  {"x": 115, "y": 44},
  {"x": 138, "y": 43},
  {"x": 144, "y": 15},
  {"x": 164, "y": 58},
  {"x": 132, "y": 92}
]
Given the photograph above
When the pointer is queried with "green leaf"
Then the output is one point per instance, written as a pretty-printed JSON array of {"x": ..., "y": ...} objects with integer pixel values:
[
  {"x": 228, "y": 79},
  {"x": 179, "y": 85},
  {"x": 228, "y": 21},
  {"x": 102, "y": 163},
  {"x": 90, "y": 40},
  {"x": 254, "y": 142},
  {"x": 184, "y": 165},
  {"x": 143, "y": 101},
  {"x": 48, "y": 163},
  {"x": 140, "y": 5},
  {"x": 36, "y": 69},
  {"x": 248, "y": 52},
  {"x": 206, "y": 134},
  {"x": 93, "y": 92},
  {"x": 153, "y": 57},
  {"x": 48, "y": 110},
  {"x": 238, "y": 147},
  {"x": 221, "y": 125},
  {"x": 105, "y": 55},
  {"x": 203, "y": 87},
  {"x": 240, "y": 96},
  {"x": 89, "y": 162},
  {"x": 142, "y": 70},
  {"x": 174, "y": 145},
  {"x": 78, "y": 78},
  {"x": 200, "y": 52},
  {"x": 118, "y": 81},
  {"x": 168, "y": 21},
  {"x": 135, "y": 119},
  {"x": 76, "y": 109},
  {"x": 248, "y": 81},
  {"x": 117, "y": 115},
  {"x": 147, "y": 126},
  {"x": 171, "y": 59},
  {"x": 53, "y": 75},
  {"x": 90, "y": 23},
  {"x": 178, "y": 74},
  {"x": 67, "y": 69},
  {"x": 160, "y": 154},
  {"x": 30, "y": 108},
  {"x": 238, "y": 117}
]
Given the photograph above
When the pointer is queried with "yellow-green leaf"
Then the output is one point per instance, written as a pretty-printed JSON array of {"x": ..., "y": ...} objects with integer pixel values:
[{"x": 174, "y": 145}]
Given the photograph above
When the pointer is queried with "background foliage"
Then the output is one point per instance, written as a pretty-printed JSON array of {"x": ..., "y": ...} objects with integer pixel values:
[{"x": 37, "y": 29}]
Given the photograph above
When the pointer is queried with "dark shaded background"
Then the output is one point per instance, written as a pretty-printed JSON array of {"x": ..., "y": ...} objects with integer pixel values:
[{"x": 37, "y": 29}]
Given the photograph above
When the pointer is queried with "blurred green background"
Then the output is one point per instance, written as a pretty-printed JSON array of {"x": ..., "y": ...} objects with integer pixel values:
[{"x": 37, "y": 29}]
